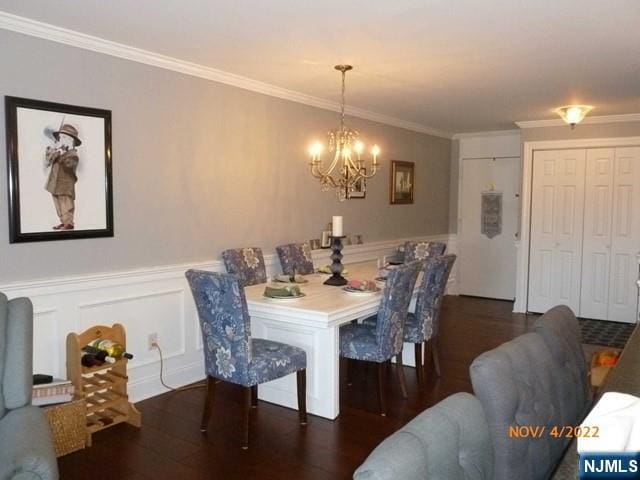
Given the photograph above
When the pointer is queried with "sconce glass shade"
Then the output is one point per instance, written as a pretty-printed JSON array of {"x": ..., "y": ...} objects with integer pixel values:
[{"x": 573, "y": 114}]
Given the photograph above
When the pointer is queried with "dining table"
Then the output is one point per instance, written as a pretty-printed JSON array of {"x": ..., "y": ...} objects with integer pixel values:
[{"x": 313, "y": 323}]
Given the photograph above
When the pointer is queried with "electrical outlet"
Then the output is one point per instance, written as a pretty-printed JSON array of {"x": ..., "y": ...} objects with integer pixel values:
[{"x": 152, "y": 340}]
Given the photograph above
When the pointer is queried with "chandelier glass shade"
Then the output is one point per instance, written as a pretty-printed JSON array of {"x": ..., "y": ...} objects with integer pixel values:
[{"x": 348, "y": 167}]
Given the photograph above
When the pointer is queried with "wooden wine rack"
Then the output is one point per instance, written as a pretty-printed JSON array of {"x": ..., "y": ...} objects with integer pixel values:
[{"x": 104, "y": 387}]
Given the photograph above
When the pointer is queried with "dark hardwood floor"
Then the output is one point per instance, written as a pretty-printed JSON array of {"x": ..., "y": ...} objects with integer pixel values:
[{"x": 170, "y": 446}]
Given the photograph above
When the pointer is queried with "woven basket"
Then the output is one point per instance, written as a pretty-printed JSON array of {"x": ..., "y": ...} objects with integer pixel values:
[{"x": 68, "y": 426}]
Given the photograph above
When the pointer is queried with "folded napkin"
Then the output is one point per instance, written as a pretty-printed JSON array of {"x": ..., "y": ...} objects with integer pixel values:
[
  {"x": 284, "y": 291},
  {"x": 287, "y": 278},
  {"x": 617, "y": 416}
]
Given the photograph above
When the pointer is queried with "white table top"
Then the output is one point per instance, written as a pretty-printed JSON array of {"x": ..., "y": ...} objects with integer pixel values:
[{"x": 323, "y": 305}]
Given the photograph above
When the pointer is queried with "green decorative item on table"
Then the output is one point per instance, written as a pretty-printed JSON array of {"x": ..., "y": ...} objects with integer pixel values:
[
  {"x": 287, "y": 279},
  {"x": 282, "y": 292}
]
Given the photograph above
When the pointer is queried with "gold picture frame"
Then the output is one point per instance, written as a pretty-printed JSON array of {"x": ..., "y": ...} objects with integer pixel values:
[{"x": 401, "y": 182}]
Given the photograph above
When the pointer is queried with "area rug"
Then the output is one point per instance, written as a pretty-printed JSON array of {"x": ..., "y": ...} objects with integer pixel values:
[{"x": 605, "y": 333}]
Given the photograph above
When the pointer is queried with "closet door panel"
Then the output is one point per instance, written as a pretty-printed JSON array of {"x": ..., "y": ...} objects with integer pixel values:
[
  {"x": 556, "y": 229},
  {"x": 543, "y": 214},
  {"x": 596, "y": 250},
  {"x": 543, "y": 231},
  {"x": 625, "y": 236},
  {"x": 571, "y": 180}
]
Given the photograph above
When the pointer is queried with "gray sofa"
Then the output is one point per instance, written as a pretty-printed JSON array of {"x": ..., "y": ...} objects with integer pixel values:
[
  {"x": 26, "y": 447},
  {"x": 449, "y": 441},
  {"x": 539, "y": 380}
]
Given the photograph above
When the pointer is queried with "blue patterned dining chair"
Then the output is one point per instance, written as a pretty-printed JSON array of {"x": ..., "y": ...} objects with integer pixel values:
[
  {"x": 247, "y": 264},
  {"x": 231, "y": 354},
  {"x": 423, "y": 325},
  {"x": 421, "y": 250},
  {"x": 295, "y": 256},
  {"x": 381, "y": 340}
]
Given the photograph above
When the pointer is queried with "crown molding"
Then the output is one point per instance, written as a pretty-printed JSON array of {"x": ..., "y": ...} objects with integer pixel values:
[
  {"x": 557, "y": 122},
  {"x": 492, "y": 133},
  {"x": 76, "y": 39}
]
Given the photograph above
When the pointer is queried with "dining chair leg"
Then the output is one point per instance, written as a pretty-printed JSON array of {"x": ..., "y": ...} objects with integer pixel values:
[
  {"x": 419, "y": 371},
  {"x": 381, "y": 392},
  {"x": 436, "y": 357},
  {"x": 208, "y": 403},
  {"x": 301, "y": 377},
  {"x": 247, "y": 414},
  {"x": 400, "y": 371},
  {"x": 254, "y": 396}
]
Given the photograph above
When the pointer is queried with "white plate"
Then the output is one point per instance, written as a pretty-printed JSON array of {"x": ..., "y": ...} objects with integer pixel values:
[
  {"x": 353, "y": 291},
  {"x": 287, "y": 298}
]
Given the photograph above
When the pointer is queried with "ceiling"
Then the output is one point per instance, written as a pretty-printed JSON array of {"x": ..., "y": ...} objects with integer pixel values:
[{"x": 457, "y": 66}]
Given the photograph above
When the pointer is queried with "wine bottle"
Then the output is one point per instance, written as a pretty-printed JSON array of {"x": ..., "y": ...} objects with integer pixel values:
[
  {"x": 113, "y": 349},
  {"x": 89, "y": 360},
  {"x": 101, "y": 355}
]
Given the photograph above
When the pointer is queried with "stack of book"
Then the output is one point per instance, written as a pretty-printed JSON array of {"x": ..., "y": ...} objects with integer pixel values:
[{"x": 57, "y": 391}]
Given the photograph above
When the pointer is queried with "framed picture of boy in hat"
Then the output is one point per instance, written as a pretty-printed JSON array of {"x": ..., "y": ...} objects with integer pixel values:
[{"x": 59, "y": 171}]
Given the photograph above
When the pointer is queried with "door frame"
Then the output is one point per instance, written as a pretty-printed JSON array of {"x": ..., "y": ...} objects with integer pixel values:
[{"x": 522, "y": 250}]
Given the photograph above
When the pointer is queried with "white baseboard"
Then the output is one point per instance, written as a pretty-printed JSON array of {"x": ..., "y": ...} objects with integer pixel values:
[{"x": 147, "y": 300}]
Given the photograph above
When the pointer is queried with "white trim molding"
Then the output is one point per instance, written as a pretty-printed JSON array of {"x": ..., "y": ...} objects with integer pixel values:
[
  {"x": 493, "y": 133},
  {"x": 149, "y": 300},
  {"x": 77, "y": 39},
  {"x": 522, "y": 275},
  {"x": 558, "y": 122}
]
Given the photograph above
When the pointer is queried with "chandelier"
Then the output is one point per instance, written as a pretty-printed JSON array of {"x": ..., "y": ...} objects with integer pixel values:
[{"x": 347, "y": 169}]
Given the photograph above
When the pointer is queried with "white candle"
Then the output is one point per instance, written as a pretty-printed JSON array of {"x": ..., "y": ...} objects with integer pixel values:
[{"x": 337, "y": 226}]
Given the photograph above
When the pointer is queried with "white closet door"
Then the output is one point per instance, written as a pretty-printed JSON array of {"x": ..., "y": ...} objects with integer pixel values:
[
  {"x": 625, "y": 236},
  {"x": 596, "y": 253},
  {"x": 556, "y": 229}
]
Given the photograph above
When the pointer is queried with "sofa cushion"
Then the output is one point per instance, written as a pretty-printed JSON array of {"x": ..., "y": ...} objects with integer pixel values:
[
  {"x": 515, "y": 384},
  {"x": 560, "y": 331},
  {"x": 448, "y": 441}
]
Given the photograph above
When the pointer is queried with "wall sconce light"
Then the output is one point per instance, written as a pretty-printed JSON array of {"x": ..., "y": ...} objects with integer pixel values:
[{"x": 573, "y": 114}]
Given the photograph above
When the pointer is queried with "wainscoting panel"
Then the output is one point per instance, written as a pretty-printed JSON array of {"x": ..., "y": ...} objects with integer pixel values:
[
  {"x": 161, "y": 312},
  {"x": 45, "y": 332},
  {"x": 145, "y": 301}
]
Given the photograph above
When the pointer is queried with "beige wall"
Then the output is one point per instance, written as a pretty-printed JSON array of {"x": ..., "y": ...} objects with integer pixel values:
[
  {"x": 200, "y": 166},
  {"x": 594, "y": 130}
]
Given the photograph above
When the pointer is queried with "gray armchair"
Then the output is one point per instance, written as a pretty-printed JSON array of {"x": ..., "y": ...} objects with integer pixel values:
[
  {"x": 448, "y": 441},
  {"x": 26, "y": 447}
]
